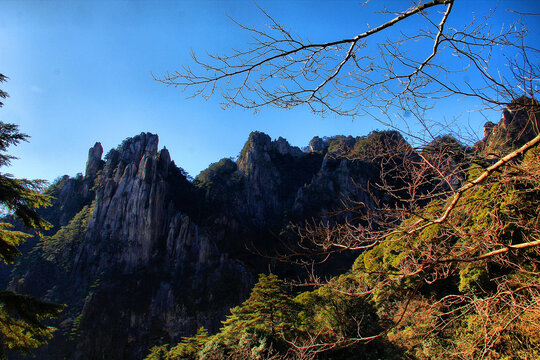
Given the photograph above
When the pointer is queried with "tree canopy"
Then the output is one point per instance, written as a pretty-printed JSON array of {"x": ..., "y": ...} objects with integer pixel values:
[{"x": 21, "y": 317}]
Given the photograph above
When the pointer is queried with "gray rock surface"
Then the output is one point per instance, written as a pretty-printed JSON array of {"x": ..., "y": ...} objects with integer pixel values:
[{"x": 94, "y": 163}]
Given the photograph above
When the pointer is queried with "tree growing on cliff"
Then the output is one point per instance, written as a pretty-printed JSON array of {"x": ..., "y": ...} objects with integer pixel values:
[
  {"x": 21, "y": 317},
  {"x": 402, "y": 77},
  {"x": 268, "y": 308}
]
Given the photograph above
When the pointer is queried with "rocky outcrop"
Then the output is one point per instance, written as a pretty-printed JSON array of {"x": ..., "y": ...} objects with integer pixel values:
[
  {"x": 131, "y": 205},
  {"x": 145, "y": 270},
  {"x": 262, "y": 178},
  {"x": 94, "y": 163},
  {"x": 336, "y": 181},
  {"x": 517, "y": 126},
  {"x": 279, "y": 177},
  {"x": 149, "y": 256},
  {"x": 317, "y": 145}
]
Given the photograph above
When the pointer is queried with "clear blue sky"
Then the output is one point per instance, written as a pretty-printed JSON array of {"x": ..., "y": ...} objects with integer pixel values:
[{"x": 80, "y": 72}]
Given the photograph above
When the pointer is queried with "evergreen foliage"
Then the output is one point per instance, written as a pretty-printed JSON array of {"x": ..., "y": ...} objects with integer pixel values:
[
  {"x": 219, "y": 175},
  {"x": 21, "y": 317},
  {"x": 21, "y": 322},
  {"x": 60, "y": 247},
  {"x": 189, "y": 346},
  {"x": 256, "y": 328},
  {"x": 187, "y": 349},
  {"x": 158, "y": 353},
  {"x": 268, "y": 309}
]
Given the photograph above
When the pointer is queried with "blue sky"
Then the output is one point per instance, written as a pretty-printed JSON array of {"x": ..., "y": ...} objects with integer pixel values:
[{"x": 80, "y": 72}]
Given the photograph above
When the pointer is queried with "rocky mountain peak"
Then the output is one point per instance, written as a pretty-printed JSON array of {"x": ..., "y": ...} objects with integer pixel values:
[
  {"x": 139, "y": 239},
  {"x": 259, "y": 140},
  {"x": 133, "y": 156},
  {"x": 94, "y": 163},
  {"x": 317, "y": 145},
  {"x": 517, "y": 126},
  {"x": 259, "y": 148},
  {"x": 254, "y": 151},
  {"x": 133, "y": 149},
  {"x": 283, "y": 147}
]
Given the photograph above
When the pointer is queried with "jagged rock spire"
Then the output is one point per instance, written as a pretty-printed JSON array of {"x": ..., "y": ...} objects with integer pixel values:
[{"x": 94, "y": 163}]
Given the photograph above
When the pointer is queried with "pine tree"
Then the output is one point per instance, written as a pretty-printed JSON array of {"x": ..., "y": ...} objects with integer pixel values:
[
  {"x": 268, "y": 309},
  {"x": 21, "y": 316},
  {"x": 157, "y": 353},
  {"x": 189, "y": 346}
]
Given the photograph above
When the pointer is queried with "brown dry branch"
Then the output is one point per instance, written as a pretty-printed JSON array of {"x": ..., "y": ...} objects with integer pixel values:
[{"x": 422, "y": 204}]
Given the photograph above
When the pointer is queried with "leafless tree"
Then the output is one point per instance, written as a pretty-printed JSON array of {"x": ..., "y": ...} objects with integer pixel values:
[
  {"x": 410, "y": 70},
  {"x": 407, "y": 70}
]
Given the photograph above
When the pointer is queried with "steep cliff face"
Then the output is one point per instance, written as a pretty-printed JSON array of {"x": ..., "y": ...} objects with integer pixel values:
[
  {"x": 151, "y": 256},
  {"x": 142, "y": 252},
  {"x": 271, "y": 175},
  {"x": 143, "y": 271},
  {"x": 516, "y": 127},
  {"x": 131, "y": 207},
  {"x": 280, "y": 177}
]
